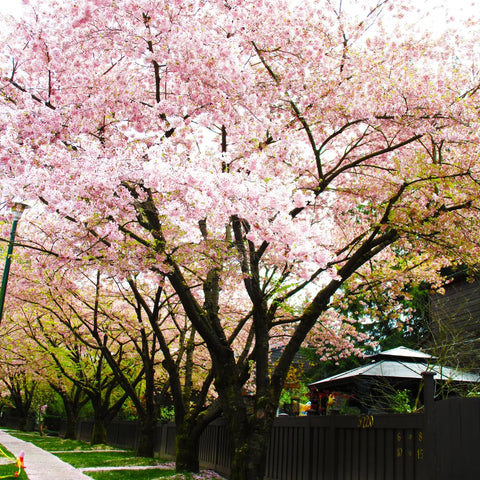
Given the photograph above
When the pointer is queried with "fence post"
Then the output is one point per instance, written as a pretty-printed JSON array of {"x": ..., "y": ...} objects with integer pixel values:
[{"x": 429, "y": 425}]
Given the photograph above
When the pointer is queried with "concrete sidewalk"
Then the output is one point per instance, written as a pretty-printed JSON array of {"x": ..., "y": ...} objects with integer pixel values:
[{"x": 40, "y": 465}]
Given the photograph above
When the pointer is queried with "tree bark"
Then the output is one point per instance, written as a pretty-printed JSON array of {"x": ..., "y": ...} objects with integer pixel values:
[
  {"x": 99, "y": 432},
  {"x": 73, "y": 401},
  {"x": 71, "y": 429},
  {"x": 249, "y": 455},
  {"x": 250, "y": 435},
  {"x": 186, "y": 451},
  {"x": 71, "y": 423},
  {"x": 146, "y": 441}
]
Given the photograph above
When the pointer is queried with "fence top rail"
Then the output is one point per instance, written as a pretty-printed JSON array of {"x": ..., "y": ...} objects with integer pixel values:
[
  {"x": 379, "y": 421},
  {"x": 403, "y": 420}
]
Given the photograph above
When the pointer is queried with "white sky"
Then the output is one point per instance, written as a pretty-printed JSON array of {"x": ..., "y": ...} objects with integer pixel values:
[
  {"x": 13, "y": 7},
  {"x": 463, "y": 7}
]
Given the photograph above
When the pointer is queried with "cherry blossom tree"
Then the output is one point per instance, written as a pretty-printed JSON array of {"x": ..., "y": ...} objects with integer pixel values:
[
  {"x": 85, "y": 324},
  {"x": 80, "y": 322},
  {"x": 39, "y": 360},
  {"x": 17, "y": 375},
  {"x": 62, "y": 367},
  {"x": 78, "y": 375},
  {"x": 187, "y": 364},
  {"x": 253, "y": 155},
  {"x": 54, "y": 314}
]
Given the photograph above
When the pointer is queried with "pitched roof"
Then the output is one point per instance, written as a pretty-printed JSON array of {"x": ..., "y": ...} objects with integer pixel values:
[
  {"x": 403, "y": 353},
  {"x": 397, "y": 364}
]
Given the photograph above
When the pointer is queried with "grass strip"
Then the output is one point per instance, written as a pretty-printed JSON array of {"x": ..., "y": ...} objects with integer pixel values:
[
  {"x": 82, "y": 459},
  {"x": 8, "y": 467},
  {"x": 81, "y": 454},
  {"x": 131, "y": 474},
  {"x": 51, "y": 444},
  {"x": 101, "y": 462}
]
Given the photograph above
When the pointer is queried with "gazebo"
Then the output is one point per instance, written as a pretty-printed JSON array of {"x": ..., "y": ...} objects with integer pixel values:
[{"x": 367, "y": 388}]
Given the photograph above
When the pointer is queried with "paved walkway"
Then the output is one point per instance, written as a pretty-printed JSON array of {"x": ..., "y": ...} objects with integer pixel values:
[{"x": 40, "y": 465}]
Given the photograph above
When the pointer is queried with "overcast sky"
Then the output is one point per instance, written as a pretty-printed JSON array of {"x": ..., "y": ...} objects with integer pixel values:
[
  {"x": 437, "y": 19},
  {"x": 464, "y": 7},
  {"x": 13, "y": 7}
]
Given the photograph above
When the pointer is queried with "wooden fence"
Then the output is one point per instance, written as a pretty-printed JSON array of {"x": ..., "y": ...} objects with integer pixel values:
[
  {"x": 380, "y": 447},
  {"x": 440, "y": 444},
  {"x": 377, "y": 447},
  {"x": 454, "y": 439}
]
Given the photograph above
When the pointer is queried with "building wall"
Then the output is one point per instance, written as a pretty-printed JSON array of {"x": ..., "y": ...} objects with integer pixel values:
[{"x": 455, "y": 325}]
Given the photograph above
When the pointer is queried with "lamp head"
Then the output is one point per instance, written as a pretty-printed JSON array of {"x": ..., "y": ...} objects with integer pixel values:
[{"x": 18, "y": 208}]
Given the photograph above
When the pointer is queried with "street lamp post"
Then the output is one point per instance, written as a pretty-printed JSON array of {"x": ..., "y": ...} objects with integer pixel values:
[{"x": 18, "y": 208}]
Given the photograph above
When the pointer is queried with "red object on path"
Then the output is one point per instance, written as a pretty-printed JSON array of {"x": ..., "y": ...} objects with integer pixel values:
[{"x": 20, "y": 463}]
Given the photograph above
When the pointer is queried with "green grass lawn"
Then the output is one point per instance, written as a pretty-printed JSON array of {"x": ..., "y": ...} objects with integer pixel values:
[
  {"x": 83, "y": 455},
  {"x": 8, "y": 472},
  {"x": 132, "y": 474},
  {"x": 57, "y": 443},
  {"x": 8, "y": 467},
  {"x": 94, "y": 458}
]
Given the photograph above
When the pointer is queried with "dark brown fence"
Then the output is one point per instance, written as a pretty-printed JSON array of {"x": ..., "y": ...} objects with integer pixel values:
[
  {"x": 440, "y": 444},
  {"x": 380, "y": 447},
  {"x": 377, "y": 447},
  {"x": 455, "y": 439}
]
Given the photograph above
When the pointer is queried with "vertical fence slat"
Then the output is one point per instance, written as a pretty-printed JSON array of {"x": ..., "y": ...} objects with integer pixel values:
[{"x": 379, "y": 461}]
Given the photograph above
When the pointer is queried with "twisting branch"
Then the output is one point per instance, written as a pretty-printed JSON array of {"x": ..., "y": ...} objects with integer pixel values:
[{"x": 296, "y": 110}]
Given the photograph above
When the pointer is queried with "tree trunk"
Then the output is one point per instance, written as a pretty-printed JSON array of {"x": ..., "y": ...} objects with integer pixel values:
[
  {"x": 146, "y": 440},
  {"x": 71, "y": 420},
  {"x": 250, "y": 446},
  {"x": 250, "y": 434},
  {"x": 249, "y": 460},
  {"x": 21, "y": 412},
  {"x": 186, "y": 449},
  {"x": 99, "y": 432},
  {"x": 71, "y": 427},
  {"x": 22, "y": 423}
]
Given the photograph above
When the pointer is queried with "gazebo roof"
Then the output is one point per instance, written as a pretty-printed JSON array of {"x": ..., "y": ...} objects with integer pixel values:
[
  {"x": 397, "y": 364},
  {"x": 402, "y": 353}
]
